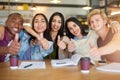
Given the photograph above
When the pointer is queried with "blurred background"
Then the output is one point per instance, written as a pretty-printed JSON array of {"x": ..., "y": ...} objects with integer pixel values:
[{"x": 77, "y": 8}]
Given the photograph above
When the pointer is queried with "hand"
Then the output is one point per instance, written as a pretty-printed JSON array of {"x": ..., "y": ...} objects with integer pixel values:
[
  {"x": 71, "y": 45},
  {"x": 45, "y": 44},
  {"x": 94, "y": 52},
  {"x": 61, "y": 44},
  {"x": 14, "y": 46},
  {"x": 115, "y": 26}
]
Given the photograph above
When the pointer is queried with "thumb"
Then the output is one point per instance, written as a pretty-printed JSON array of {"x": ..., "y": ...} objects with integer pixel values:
[
  {"x": 58, "y": 40},
  {"x": 41, "y": 36},
  {"x": 91, "y": 45},
  {"x": 16, "y": 38}
]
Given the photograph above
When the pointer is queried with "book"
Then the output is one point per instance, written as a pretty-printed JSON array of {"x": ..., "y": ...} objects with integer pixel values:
[
  {"x": 112, "y": 67},
  {"x": 74, "y": 60},
  {"x": 32, "y": 65}
]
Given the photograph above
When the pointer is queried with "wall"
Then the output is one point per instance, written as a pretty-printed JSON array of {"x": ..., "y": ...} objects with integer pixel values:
[{"x": 27, "y": 14}]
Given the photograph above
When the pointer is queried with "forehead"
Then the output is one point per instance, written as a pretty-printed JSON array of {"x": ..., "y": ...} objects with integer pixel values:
[
  {"x": 57, "y": 17},
  {"x": 96, "y": 16},
  {"x": 15, "y": 17},
  {"x": 39, "y": 17},
  {"x": 71, "y": 24}
]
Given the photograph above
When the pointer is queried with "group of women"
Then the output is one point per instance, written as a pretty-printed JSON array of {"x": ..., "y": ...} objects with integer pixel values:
[{"x": 52, "y": 40}]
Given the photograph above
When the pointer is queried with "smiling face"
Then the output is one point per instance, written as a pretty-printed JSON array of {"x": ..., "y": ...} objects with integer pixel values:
[
  {"x": 14, "y": 23},
  {"x": 56, "y": 23},
  {"x": 74, "y": 28},
  {"x": 97, "y": 22},
  {"x": 40, "y": 24}
]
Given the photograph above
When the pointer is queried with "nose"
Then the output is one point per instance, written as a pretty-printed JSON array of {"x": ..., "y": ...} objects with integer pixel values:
[
  {"x": 55, "y": 23},
  {"x": 16, "y": 25}
]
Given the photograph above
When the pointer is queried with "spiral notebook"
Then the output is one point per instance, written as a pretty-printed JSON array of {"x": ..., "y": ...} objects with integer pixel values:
[{"x": 112, "y": 67}]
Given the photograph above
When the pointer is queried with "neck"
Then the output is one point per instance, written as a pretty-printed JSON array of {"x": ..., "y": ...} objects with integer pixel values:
[
  {"x": 103, "y": 32},
  {"x": 80, "y": 36},
  {"x": 54, "y": 35}
]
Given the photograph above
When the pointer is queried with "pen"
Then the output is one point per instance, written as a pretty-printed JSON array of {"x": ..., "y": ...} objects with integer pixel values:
[
  {"x": 101, "y": 61},
  {"x": 28, "y": 65}
]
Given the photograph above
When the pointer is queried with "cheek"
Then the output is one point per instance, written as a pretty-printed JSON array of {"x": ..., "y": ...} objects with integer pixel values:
[{"x": 71, "y": 31}]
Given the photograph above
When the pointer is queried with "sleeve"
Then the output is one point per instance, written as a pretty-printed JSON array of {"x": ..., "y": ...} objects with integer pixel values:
[
  {"x": 47, "y": 52},
  {"x": 24, "y": 41}
]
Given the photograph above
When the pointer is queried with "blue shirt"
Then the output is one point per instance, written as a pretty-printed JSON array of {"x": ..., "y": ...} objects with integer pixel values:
[{"x": 76, "y": 38}]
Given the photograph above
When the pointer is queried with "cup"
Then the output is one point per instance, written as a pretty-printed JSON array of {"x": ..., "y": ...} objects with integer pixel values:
[
  {"x": 13, "y": 61},
  {"x": 85, "y": 64}
]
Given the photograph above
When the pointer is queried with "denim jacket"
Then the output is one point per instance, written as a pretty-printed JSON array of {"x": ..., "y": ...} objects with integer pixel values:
[{"x": 28, "y": 52}]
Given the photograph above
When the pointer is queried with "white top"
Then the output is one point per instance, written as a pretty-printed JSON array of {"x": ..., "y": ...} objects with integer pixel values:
[{"x": 82, "y": 45}]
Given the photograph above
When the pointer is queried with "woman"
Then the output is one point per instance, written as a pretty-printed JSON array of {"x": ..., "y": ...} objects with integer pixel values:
[
  {"x": 33, "y": 48},
  {"x": 75, "y": 32},
  {"x": 56, "y": 25}
]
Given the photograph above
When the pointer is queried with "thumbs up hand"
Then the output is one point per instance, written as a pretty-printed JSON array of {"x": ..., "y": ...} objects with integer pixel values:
[
  {"x": 15, "y": 45},
  {"x": 43, "y": 42},
  {"x": 71, "y": 45},
  {"x": 94, "y": 52},
  {"x": 61, "y": 43}
]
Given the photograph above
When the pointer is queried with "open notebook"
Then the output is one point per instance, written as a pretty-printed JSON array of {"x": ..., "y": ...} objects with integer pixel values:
[
  {"x": 112, "y": 67},
  {"x": 66, "y": 62}
]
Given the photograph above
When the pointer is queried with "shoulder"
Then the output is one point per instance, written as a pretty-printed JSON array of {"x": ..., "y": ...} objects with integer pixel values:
[{"x": 2, "y": 30}]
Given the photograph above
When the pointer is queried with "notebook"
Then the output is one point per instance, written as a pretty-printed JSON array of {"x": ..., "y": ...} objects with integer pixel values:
[{"x": 66, "y": 62}]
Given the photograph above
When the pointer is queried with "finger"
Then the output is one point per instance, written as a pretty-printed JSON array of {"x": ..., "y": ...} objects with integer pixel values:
[{"x": 16, "y": 38}]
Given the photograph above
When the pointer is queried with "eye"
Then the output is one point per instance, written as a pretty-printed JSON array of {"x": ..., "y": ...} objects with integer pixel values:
[{"x": 74, "y": 25}]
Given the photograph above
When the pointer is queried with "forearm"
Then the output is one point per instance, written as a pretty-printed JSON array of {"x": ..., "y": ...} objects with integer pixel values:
[
  {"x": 109, "y": 48},
  {"x": 3, "y": 50},
  {"x": 31, "y": 31}
]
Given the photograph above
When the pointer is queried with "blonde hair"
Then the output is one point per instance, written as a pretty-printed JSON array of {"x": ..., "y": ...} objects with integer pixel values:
[{"x": 94, "y": 12}]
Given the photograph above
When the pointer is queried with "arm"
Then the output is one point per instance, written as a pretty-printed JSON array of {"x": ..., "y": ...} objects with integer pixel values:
[
  {"x": 109, "y": 48},
  {"x": 112, "y": 46},
  {"x": 115, "y": 26},
  {"x": 30, "y": 31}
]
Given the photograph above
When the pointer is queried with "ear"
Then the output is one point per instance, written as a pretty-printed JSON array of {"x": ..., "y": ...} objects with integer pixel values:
[{"x": 105, "y": 21}]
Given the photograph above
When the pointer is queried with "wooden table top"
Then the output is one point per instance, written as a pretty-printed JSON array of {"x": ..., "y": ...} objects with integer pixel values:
[{"x": 52, "y": 73}]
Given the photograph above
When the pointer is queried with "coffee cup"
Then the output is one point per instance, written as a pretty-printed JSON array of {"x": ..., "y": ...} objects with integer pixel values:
[
  {"x": 85, "y": 64},
  {"x": 13, "y": 61}
]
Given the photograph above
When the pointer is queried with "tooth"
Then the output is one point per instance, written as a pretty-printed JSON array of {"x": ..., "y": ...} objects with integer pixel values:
[{"x": 15, "y": 29}]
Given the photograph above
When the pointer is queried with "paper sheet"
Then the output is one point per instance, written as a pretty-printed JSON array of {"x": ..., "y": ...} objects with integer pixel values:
[
  {"x": 112, "y": 67},
  {"x": 35, "y": 65}
]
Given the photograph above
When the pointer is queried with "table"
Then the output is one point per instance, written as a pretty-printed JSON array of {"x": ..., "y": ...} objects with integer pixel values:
[{"x": 50, "y": 73}]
